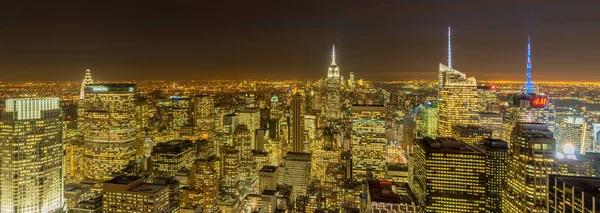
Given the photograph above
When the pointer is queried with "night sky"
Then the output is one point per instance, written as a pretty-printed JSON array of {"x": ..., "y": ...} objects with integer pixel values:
[{"x": 291, "y": 39}]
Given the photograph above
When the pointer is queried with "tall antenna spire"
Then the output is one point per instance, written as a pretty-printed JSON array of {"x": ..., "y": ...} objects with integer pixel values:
[
  {"x": 333, "y": 56},
  {"x": 529, "y": 84},
  {"x": 449, "y": 50}
]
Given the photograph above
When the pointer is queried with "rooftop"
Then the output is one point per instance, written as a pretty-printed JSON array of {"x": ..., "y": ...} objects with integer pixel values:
[
  {"x": 389, "y": 192},
  {"x": 298, "y": 156},
  {"x": 123, "y": 180},
  {"x": 589, "y": 185},
  {"x": 446, "y": 145},
  {"x": 149, "y": 188},
  {"x": 268, "y": 169}
]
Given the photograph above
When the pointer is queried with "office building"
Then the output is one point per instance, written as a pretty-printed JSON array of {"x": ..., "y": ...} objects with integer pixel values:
[
  {"x": 268, "y": 178},
  {"x": 573, "y": 130},
  {"x": 388, "y": 196},
  {"x": 320, "y": 160},
  {"x": 169, "y": 157},
  {"x": 459, "y": 98},
  {"x": 368, "y": 142},
  {"x": 495, "y": 152},
  {"x": 204, "y": 181},
  {"x": 428, "y": 120},
  {"x": 470, "y": 134},
  {"x": 297, "y": 124},
  {"x": 31, "y": 156},
  {"x": 448, "y": 175},
  {"x": 297, "y": 172},
  {"x": 530, "y": 161},
  {"x": 250, "y": 118},
  {"x": 230, "y": 180},
  {"x": 573, "y": 194},
  {"x": 493, "y": 122},
  {"x": 131, "y": 194},
  {"x": 528, "y": 106},
  {"x": 109, "y": 134},
  {"x": 203, "y": 113},
  {"x": 332, "y": 104}
]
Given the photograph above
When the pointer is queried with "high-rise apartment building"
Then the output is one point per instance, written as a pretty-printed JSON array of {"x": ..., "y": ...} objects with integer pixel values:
[
  {"x": 448, "y": 175},
  {"x": 297, "y": 124},
  {"x": 495, "y": 152},
  {"x": 530, "y": 161},
  {"x": 368, "y": 141},
  {"x": 109, "y": 126},
  {"x": 568, "y": 194},
  {"x": 131, "y": 194},
  {"x": 31, "y": 156}
]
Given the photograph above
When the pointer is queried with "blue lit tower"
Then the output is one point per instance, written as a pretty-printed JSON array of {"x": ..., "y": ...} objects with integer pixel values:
[{"x": 529, "y": 84}]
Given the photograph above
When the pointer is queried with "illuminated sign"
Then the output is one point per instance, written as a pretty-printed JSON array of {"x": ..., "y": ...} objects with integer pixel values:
[
  {"x": 539, "y": 102},
  {"x": 99, "y": 88}
]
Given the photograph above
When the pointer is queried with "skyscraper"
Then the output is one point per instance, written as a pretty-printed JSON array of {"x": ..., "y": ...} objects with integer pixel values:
[
  {"x": 573, "y": 194},
  {"x": 368, "y": 141},
  {"x": 297, "y": 172},
  {"x": 109, "y": 134},
  {"x": 131, "y": 194},
  {"x": 332, "y": 109},
  {"x": 448, "y": 175},
  {"x": 495, "y": 152},
  {"x": 297, "y": 127},
  {"x": 528, "y": 106},
  {"x": 572, "y": 131},
  {"x": 167, "y": 158},
  {"x": 459, "y": 98},
  {"x": 86, "y": 81},
  {"x": 530, "y": 161},
  {"x": 204, "y": 180},
  {"x": 31, "y": 156},
  {"x": 428, "y": 120}
]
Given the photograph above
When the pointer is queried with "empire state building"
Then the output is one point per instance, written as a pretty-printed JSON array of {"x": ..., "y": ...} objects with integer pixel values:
[{"x": 332, "y": 109}]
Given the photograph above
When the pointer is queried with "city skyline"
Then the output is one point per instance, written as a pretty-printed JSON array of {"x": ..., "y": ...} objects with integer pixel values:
[{"x": 190, "y": 41}]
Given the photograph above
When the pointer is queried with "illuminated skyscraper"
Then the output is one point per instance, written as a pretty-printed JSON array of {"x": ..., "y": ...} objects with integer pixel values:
[
  {"x": 204, "y": 179},
  {"x": 530, "y": 161},
  {"x": 493, "y": 122},
  {"x": 368, "y": 141},
  {"x": 297, "y": 172},
  {"x": 169, "y": 157},
  {"x": 528, "y": 106},
  {"x": 251, "y": 118},
  {"x": 495, "y": 171},
  {"x": 203, "y": 109},
  {"x": 230, "y": 181},
  {"x": 572, "y": 130},
  {"x": 275, "y": 112},
  {"x": 448, "y": 175},
  {"x": 332, "y": 109},
  {"x": 459, "y": 98},
  {"x": 109, "y": 134},
  {"x": 86, "y": 80},
  {"x": 568, "y": 194},
  {"x": 428, "y": 120},
  {"x": 31, "y": 156},
  {"x": 297, "y": 127}
]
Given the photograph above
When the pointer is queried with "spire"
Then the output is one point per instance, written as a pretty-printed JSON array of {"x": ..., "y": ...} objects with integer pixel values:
[
  {"x": 528, "y": 83},
  {"x": 449, "y": 50},
  {"x": 333, "y": 56}
]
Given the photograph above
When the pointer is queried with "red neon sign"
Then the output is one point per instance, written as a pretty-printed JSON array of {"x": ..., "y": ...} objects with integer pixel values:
[{"x": 539, "y": 101}]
